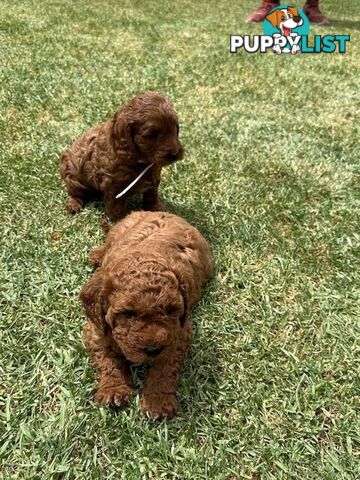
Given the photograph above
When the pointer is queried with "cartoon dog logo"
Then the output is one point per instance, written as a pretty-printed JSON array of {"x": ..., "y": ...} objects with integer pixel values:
[{"x": 285, "y": 20}]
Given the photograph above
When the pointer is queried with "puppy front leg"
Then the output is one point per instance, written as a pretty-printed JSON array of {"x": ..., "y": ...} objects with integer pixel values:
[
  {"x": 115, "y": 207},
  {"x": 159, "y": 394},
  {"x": 74, "y": 204},
  {"x": 151, "y": 200},
  {"x": 115, "y": 387}
]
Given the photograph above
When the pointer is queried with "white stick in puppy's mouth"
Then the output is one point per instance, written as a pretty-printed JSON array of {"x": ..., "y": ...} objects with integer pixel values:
[{"x": 126, "y": 189}]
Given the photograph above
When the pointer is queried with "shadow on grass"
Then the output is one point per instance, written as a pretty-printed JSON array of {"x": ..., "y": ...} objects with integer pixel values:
[{"x": 194, "y": 217}]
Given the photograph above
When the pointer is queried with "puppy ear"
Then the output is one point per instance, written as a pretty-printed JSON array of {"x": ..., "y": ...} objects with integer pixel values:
[
  {"x": 274, "y": 18},
  {"x": 123, "y": 131},
  {"x": 94, "y": 299}
]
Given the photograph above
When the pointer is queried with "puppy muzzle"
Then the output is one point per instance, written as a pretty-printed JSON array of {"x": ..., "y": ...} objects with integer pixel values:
[{"x": 175, "y": 154}]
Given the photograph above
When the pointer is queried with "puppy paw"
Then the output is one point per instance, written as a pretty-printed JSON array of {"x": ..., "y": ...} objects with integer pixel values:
[
  {"x": 159, "y": 406},
  {"x": 105, "y": 225},
  {"x": 96, "y": 255},
  {"x": 113, "y": 396},
  {"x": 73, "y": 205}
]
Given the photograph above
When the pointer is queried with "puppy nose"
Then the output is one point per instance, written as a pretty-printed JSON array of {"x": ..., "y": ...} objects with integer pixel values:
[
  {"x": 297, "y": 19},
  {"x": 173, "y": 153},
  {"x": 153, "y": 351}
]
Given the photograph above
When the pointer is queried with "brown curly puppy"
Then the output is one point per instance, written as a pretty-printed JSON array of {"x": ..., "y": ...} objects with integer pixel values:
[
  {"x": 151, "y": 270},
  {"x": 109, "y": 157}
]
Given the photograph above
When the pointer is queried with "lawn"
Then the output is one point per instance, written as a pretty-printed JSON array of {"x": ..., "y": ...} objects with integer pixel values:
[{"x": 271, "y": 387}]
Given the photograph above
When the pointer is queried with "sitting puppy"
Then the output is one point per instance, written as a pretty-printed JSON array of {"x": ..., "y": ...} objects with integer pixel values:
[
  {"x": 109, "y": 157},
  {"x": 151, "y": 270}
]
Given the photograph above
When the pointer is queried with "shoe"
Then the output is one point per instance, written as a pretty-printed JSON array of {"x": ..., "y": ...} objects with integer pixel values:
[
  {"x": 259, "y": 14},
  {"x": 312, "y": 11}
]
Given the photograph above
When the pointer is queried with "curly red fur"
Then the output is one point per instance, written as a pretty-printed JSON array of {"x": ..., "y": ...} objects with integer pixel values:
[
  {"x": 108, "y": 157},
  {"x": 151, "y": 270}
]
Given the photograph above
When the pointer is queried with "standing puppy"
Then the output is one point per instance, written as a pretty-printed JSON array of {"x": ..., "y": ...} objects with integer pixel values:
[
  {"x": 151, "y": 270},
  {"x": 109, "y": 157}
]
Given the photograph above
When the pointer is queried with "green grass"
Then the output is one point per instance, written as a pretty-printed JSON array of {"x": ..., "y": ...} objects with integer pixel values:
[{"x": 271, "y": 387}]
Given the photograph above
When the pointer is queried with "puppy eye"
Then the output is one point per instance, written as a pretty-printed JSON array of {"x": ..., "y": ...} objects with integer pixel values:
[
  {"x": 283, "y": 17},
  {"x": 152, "y": 134},
  {"x": 170, "y": 310},
  {"x": 129, "y": 313}
]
